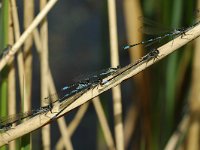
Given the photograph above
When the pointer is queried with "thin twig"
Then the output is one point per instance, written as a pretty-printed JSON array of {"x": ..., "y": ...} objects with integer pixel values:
[{"x": 128, "y": 71}]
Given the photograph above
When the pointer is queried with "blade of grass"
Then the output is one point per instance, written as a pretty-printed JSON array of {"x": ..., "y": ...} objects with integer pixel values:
[{"x": 171, "y": 77}]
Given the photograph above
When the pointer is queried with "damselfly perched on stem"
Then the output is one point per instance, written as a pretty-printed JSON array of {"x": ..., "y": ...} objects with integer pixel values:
[
  {"x": 147, "y": 30},
  {"x": 153, "y": 54},
  {"x": 7, "y": 122},
  {"x": 74, "y": 88}
]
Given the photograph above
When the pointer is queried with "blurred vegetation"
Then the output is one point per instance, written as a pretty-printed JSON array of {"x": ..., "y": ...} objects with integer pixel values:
[{"x": 171, "y": 77}]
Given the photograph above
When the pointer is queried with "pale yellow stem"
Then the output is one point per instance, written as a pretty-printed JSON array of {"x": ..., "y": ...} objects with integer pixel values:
[
  {"x": 116, "y": 92},
  {"x": 11, "y": 78},
  {"x": 103, "y": 122},
  {"x": 46, "y": 136},
  {"x": 20, "y": 59},
  {"x": 28, "y": 18}
]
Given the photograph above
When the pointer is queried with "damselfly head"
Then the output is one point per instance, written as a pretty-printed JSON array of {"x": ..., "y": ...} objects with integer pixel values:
[{"x": 126, "y": 47}]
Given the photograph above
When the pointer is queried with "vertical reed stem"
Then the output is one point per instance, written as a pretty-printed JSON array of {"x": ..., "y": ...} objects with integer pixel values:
[
  {"x": 119, "y": 137},
  {"x": 46, "y": 137}
]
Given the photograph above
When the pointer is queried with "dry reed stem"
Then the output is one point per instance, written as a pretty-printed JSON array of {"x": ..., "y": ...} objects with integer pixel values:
[
  {"x": 129, "y": 124},
  {"x": 26, "y": 33},
  {"x": 65, "y": 133},
  {"x": 102, "y": 119},
  {"x": 103, "y": 122},
  {"x": 11, "y": 78},
  {"x": 132, "y": 24},
  {"x": 24, "y": 128},
  {"x": 194, "y": 102},
  {"x": 37, "y": 40},
  {"x": 78, "y": 117},
  {"x": 61, "y": 122},
  {"x": 28, "y": 18},
  {"x": 20, "y": 58},
  {"x": 116, "y": 92},
  {"x": 12, "y": 98},
  {"x": 182, "y": 129},
  {"x": 52, "y": 89},
  {"x": 128, "y": 71},
  {"x": 193, "y": 135},
  {"x": 73, "y": 124},
  {"x": 44, "y": 71},
  {"x": 59, "y": 144},
  {"x": 182, "y": 71}
]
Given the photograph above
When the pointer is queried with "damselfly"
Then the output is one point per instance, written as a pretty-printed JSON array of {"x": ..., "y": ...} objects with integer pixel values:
[
  {"x": 74, "y": 97},
  {"x": 7, "y": 122},
  {"x": 153, "y": 54},
  {"x": 151, "y": 30},
  {"x": 176, "y": 32},
  {"x": 72, "y": 89}
]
